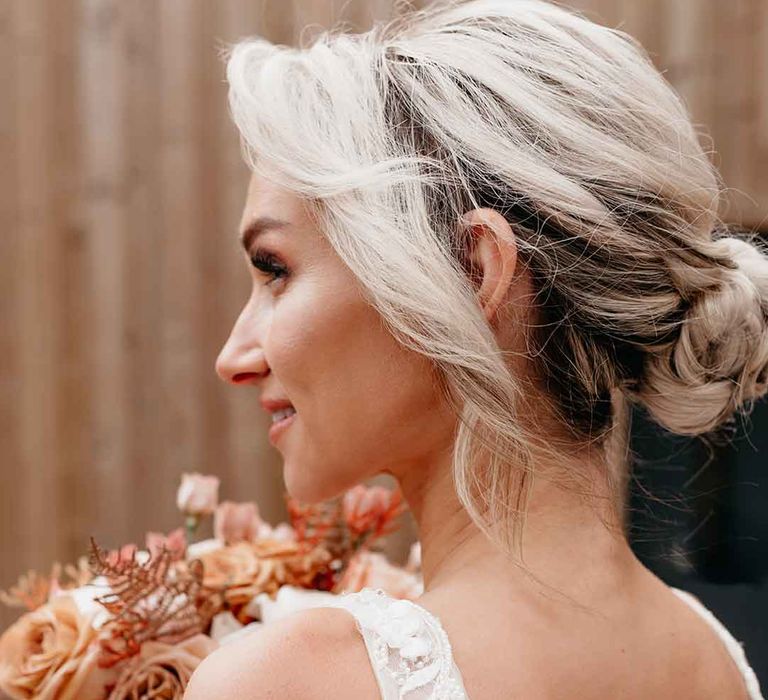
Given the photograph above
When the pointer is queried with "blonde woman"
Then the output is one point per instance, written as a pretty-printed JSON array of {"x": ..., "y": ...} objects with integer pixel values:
[{"x": 477, "y": 234}]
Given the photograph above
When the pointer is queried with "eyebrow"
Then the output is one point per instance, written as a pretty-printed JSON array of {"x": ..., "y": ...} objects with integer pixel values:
[{"x": 257, "y": 227}]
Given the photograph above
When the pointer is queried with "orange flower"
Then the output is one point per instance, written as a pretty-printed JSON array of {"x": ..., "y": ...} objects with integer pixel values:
[
  {"x": 52, "y": 654},
  {"x": 236, "y": 522},
  {"x": 162, "y": 671}
]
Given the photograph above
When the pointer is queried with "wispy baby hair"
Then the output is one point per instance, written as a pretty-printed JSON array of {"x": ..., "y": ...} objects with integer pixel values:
[{"x": 566, "y": 128}]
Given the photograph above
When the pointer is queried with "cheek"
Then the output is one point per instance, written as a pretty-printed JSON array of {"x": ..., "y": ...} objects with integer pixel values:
[{"x": 364, "y": 401}]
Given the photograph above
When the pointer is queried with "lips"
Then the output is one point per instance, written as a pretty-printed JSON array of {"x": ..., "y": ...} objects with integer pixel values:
[
  {"x": 277, "y": 428},
  {"x": 272, "y": 405},
  {"x": 282, "y": 414}
]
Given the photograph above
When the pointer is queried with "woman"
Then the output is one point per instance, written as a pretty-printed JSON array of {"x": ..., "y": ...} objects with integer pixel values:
[{"x": 477, "y": 234}]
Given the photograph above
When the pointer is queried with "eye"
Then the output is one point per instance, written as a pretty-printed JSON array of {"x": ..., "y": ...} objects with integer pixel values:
[{"x": 269, "y": 264}]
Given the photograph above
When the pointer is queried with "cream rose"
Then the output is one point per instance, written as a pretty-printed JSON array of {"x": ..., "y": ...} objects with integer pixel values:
[
  {"x": 51, "y": 653},
  {"x": 198, "y": 494}
]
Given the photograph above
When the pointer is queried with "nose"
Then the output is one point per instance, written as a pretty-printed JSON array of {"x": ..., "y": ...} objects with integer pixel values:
[{"x": 242, "y": 359}]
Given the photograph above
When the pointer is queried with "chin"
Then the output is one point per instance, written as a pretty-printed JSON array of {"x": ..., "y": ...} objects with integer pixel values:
[
  {"x": 313, "y": 483},
  {"x": 307, "y": 487}
]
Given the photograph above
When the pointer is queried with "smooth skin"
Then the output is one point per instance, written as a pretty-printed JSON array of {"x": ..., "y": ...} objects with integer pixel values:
[{"x": 366, "y": 405}]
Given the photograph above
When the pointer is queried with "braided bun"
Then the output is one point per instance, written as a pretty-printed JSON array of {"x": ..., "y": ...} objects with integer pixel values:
[{"x": 720, "y": 361}]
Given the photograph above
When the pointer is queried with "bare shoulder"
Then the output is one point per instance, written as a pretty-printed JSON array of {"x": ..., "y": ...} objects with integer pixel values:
[{"x": 308, "y": 655}]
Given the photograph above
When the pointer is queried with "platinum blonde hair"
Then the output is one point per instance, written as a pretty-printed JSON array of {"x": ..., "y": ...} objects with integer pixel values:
[{"x": 565, "y": 127}]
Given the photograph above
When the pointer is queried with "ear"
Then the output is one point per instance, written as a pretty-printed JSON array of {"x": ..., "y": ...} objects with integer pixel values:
[{"x": 492, "y": 254}]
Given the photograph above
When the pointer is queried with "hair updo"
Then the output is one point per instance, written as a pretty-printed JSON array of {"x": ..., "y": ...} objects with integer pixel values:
[{"x": 567, "y": 128}]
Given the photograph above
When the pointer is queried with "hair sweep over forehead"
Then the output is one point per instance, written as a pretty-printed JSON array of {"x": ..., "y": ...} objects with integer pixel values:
[{"x": 643, "y": 294}]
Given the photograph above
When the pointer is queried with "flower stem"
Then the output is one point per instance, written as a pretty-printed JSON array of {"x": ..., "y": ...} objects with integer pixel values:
[{"x": 191, "y": 523}]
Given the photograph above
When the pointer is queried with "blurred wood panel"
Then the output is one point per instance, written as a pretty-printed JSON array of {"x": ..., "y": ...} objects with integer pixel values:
[{"x": 120, "y": 194}]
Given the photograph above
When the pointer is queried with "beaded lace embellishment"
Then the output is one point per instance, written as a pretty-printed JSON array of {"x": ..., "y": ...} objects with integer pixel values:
[{"x": 409, "y": 644}]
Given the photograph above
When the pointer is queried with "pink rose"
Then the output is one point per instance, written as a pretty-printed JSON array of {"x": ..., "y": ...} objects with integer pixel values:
[
  {"x": 362, "y": 500},
  {"x": 373, "y": 570},
  {"x": 126, "y": 553},
  {"x": 175, "y": 542},
  {"x": 236, "y": 522},
  {"x": 198, "y": 494},
  {"x": 282, "y": 531},
  {"x": 369, "y": 509}
]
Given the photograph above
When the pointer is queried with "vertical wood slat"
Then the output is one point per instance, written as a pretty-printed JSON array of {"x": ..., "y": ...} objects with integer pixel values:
[
  {"x": 142, "y": 251},
  {"x": 121, "y": 194},
  {"x": 758, "y": 136},
  {"x": 103, "y": 176},
  {"x": 179, "y": 244},
  {"x": 13, "y": 527},
  {"x": 218, "y": 227},
  {"x": 734, "y": 110},
  {"x": 254, "y": 466},
  {"x": 71, "y": 303},
  {"x": 36, "y": 277}
]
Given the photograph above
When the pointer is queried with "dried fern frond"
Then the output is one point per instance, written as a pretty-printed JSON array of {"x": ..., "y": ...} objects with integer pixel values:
[
  {"x": 34, "y": 589},
  {"x": 154, "y": 600},
  {"x": 78, "y": 574}
]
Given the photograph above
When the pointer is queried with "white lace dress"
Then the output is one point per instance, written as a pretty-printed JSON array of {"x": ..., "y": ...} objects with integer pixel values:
[
  {"x": 408, "y": 647},
  {"x": 412, "y": 658}
]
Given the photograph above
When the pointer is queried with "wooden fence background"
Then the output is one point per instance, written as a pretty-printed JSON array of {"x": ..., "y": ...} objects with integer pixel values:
[{"x": 120, "y": 191}]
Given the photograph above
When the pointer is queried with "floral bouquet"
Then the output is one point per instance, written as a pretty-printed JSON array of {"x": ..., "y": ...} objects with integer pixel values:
[{"x": 130, "y": 623}]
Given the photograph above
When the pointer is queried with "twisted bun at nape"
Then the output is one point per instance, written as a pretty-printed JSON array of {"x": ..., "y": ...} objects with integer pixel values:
[{"x": 719, "y": 363}]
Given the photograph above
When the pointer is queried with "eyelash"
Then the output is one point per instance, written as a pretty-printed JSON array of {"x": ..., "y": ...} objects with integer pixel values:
[{"x": 269, "y": 264}]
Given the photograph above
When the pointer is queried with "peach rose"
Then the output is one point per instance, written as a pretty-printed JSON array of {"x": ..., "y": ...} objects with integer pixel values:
[
  {"x": 243, "y": 570},
  {"x": 162, "y": 671},
  {"x": 235, "y": 565},
  {"x": 51, "y": 654},
  {"x": 198, "y": 494},
  {"x": 373, "y": 570},
  {"x": 236, "y": 522}
]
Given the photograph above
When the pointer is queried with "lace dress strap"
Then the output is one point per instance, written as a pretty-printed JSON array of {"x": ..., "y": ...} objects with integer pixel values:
[
  {"x": 734, "y": 647},
  {"x": 407, "y": 646}
]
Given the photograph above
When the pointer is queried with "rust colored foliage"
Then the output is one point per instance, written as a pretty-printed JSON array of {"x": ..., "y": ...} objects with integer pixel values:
[
  {"x": 315, "y": 523},
  {"x": 155, "y": 600},
  {"x": 34, "y": 589},
  {"x": 345, "y": 525}
]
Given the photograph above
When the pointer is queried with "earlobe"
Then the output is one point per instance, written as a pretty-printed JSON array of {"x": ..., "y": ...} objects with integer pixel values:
[{"x": 493, "y": 255}]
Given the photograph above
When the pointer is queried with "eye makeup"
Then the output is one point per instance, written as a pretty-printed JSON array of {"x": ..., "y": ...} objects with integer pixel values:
[{"x": 269, "y": 265}]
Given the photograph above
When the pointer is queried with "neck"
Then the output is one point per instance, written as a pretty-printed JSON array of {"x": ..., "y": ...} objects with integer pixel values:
[{"x": 566, "y": 544}]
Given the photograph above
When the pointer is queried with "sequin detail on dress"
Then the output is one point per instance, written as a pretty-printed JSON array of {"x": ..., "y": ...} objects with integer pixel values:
[{"x": 408, "y": 647}]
